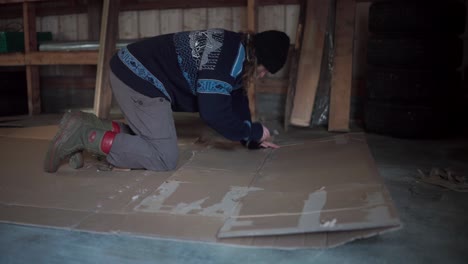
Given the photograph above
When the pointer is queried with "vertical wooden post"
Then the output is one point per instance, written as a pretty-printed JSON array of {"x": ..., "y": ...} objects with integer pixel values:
[
  {"x": 252, "y": 27},
  {"x": 340, "y": 93},
  {"x": 94, "y": 19},
  {"x": 94, "y": 29},
  {"x": 310, "y": 61},
  {"x": 252, "y": 18},
  {"x": 30, "y": 44},
  {"x": 294, "y": 65},
  {"x": 107, "y": 41}
]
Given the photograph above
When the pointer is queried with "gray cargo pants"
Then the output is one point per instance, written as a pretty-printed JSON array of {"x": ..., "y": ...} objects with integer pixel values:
[{"x": 154, "y": 145}]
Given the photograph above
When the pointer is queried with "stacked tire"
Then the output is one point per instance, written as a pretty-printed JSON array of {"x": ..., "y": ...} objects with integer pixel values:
[{"x": 414, "y": 89}]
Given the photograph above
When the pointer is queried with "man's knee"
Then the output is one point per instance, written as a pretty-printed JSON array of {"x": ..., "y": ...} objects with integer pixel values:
[
  {"x": 171, "y": 160},
  {"x": 165, "y": 157}
]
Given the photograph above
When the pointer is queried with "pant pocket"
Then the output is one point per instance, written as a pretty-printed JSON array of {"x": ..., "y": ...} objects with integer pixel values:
[{"x": 155, "y": 120}]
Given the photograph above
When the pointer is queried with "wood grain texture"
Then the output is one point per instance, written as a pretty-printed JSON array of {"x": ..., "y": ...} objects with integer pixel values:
[
  {"x": 12, "y": 59},
  {"x": 128, "y": 25},
  {"x": 294, "y": 57},
  {"x": 340, "y": 93},
  {"x": 62, "y": 58},
  {"x": 252, "y": 24},
  {"x": 148, "y": 23},
  {"x": 194, "y": 19},
  {"x": 171, "y": 21},
  {"x": 239, "y": 19},
  {"x": 310, "y": 61},
  {"x": 220, "y": 17},
  {"x": 30, "y": 45},
  {"x": 107, "y": 40}
]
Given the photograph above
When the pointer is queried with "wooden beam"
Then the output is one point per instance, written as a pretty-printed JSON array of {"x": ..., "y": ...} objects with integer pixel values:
[
  {"x": 310, "y": 61},
  {"x": 49, "y": 58},
  {"x": 19, "y": 1},
  {"x": 340, "y": 93},
  {"x": 272, "y": 86},
  {"x": 130, "y": 5},
  {"x": 69, "y": 7},
  {"x": 12, "y": 59},
  {"x": 94, "y": 19},
  {"x": 65, "y": 82},
  {"x": 265, "y": 85},
  {"x": 252, "y": 18},
  {"x": 295, "y": 53},
  {"x": 107, "y": 41},
  {"x": 252, "y": 27},
  {"x": 30, "y": 45},
  {"x": 62, "y": 58}
]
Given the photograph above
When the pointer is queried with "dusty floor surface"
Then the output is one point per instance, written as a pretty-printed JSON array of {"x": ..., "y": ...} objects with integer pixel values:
[{"x": 434, "y": 219}]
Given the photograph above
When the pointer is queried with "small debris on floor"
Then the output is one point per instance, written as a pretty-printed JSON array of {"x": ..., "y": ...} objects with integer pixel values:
[{"x": 446, "y": 178}]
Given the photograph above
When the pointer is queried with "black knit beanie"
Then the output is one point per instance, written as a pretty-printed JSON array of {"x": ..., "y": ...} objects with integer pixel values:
[{"x": 271, "y": 49}]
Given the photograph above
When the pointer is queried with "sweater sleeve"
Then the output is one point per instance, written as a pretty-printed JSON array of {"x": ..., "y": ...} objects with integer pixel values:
[
  {"x": 217, "y": 111},
  {"x": 217, "y": 76}
]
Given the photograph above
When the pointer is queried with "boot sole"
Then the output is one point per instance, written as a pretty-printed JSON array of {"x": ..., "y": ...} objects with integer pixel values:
[{"x": 66, "y": 126}]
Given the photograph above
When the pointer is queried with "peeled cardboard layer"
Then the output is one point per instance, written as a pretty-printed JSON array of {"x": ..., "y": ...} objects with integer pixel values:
[{"x": 317, "y": 193}]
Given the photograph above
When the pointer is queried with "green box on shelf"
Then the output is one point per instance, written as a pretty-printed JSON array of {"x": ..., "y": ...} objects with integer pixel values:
[{"x": 14, "y": 41}]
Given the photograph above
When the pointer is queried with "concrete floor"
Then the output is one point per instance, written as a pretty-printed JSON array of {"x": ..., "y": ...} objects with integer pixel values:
[{"x": 434, "y": 220}]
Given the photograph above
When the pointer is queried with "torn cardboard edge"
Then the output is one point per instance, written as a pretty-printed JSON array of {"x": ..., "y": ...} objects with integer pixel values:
[{"x": 284, "y": 242}]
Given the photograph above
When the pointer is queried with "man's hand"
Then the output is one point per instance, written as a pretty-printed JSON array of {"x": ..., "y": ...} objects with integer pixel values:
[
  {"x": 267, "y": 144},
  {"x": 264, "y": 140}
]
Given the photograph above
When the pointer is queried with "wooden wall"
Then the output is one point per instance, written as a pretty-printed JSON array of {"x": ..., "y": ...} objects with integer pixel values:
[
  {"x": 147, "y": 23},
  {"x": 61, "y": 93}
]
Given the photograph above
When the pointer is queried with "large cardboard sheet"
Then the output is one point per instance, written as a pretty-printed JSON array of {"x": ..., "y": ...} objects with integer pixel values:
[{"x": 313, "y": 193}]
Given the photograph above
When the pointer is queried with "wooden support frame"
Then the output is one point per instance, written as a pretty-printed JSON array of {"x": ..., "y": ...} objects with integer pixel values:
[
  {"x": 32, "y": 71},
  {"x": 107, "y": 41},
  {"x": 295, "y": 53},
  {"x": 61, "y": 58},
  {"x": 12, "y": 59},
  {"x": 310, "y": 62},
  {"x": 252, "y": 27},
  {"x": 49, "y": 58},
  {"x": 341, "y": 83}
]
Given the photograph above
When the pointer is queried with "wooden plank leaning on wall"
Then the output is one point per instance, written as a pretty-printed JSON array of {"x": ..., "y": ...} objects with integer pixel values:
[
  {"x": 340, "y": 93},
  {"x": 252, "y": 27},
  {"x": 295, "y": 54},
  {"x": 310, "y": 61},
  {"x": 30, "y": 45},
  {"x": 107, "y": 41}
]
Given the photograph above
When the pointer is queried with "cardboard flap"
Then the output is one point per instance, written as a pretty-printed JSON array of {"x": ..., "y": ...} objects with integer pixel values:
[
  {"x": 322, "y": 185},
  {"x": 320, "y": 211}
]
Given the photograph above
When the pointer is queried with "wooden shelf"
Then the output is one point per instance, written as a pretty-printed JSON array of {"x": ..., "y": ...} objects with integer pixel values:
[
  {"x": 50, "y": 58},
  {"x": 19, "y": 1},
  {"x": 12, "y": 59},
  {"x": 62, "y": 58},
  {"x": 31, "y": 58}
]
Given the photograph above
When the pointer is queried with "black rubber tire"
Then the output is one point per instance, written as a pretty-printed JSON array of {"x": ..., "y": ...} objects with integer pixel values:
[
  {"x": 412, "y": 85},
  {"x": 421, "y": 52},
  {"x": 409, "y": 121},
  {"x": 445, "y": 17}
]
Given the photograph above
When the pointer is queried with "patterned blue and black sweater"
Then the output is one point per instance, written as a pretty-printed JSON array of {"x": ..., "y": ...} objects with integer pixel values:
[{"x": 197, "y": 71}]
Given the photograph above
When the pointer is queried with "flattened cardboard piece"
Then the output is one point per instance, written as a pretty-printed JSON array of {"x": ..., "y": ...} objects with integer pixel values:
[
  {"x": 39, "y": 132},
  {"x": 162, "y": 225},
  {"x": 81, "y": 190},
  {"x": 296, "y": 213},
  {"x": 41, "y": 216},
  {"x": 211, "y": 183},
  {"x": 204, "y": 192},
  {"x": 330, "y": 185}
]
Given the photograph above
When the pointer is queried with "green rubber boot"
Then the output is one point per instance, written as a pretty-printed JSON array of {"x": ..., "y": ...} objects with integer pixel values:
[
  {"x": 76, "y": 160},
  {"x": 73, "y": 136}
]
